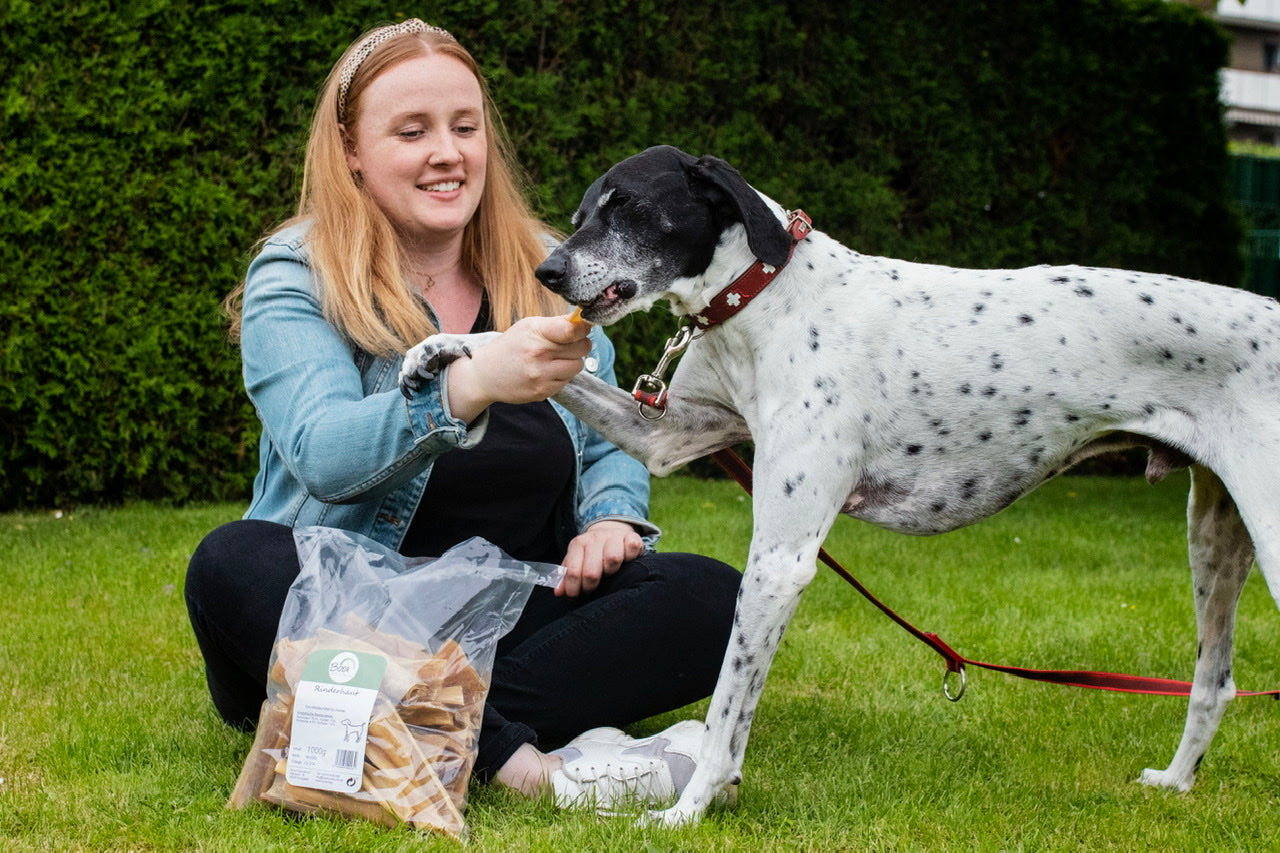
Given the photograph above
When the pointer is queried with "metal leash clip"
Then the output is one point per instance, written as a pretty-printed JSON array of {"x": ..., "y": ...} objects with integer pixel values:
[
  {"x": 650, "y": 390},
  {"x": 946, "y": 683}
]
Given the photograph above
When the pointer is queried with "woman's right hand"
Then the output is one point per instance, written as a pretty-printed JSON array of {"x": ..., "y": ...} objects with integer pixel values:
[{"x": 530, "y": 361}]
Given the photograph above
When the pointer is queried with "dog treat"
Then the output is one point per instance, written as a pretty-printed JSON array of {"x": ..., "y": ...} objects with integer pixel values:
[
  {"x": 576, "y": 318},
  {"x": 420, "y": 743}
]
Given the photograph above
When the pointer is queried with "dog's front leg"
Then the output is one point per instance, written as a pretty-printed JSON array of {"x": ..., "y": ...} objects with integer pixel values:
[
  {"x": 771, "y": 587},
  {"x": 424, "y": 361},
  {"x": 690, "y": 429},
  {"x": 793, "y": 512}
]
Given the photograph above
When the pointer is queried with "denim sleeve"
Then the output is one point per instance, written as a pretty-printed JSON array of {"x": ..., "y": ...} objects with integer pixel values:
[
  {"x": 613, "y": 485},
  {"x": 345, "y": 434}
]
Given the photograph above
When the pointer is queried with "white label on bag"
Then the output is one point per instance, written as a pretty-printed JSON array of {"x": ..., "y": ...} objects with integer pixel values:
[{"x": 331, "y": 711}]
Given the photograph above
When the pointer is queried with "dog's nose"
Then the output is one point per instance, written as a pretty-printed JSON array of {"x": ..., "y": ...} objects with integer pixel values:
[{"x": 552, "y": 272}]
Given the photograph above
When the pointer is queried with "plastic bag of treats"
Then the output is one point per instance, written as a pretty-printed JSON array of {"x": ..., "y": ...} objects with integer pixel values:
[{"x": 378, "y": 679}]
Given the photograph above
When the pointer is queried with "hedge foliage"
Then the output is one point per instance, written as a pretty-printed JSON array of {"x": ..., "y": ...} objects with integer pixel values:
[{"x": 144, "y": 149}]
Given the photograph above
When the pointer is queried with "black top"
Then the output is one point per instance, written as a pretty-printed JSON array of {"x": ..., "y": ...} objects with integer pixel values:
[{"x": 505, "y": 489}]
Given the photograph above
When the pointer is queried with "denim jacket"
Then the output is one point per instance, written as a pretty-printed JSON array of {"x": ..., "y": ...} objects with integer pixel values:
[{"x": 342, "y": 447}]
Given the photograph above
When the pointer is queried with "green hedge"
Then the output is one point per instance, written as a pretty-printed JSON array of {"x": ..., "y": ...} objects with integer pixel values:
[{"x": 143, "y": 151}]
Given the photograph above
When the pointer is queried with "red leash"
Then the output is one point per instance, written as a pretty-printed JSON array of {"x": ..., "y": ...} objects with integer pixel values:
[{"x": 956, "y": 662}]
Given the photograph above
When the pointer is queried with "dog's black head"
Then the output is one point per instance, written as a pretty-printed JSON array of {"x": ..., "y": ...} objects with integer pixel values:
[{"x": 651, "y": 223}]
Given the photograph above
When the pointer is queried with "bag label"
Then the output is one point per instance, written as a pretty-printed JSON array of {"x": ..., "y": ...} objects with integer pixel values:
[{"x": 331, "y": 711}]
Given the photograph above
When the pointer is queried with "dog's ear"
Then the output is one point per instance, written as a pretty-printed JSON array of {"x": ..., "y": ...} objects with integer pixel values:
[{"x": 766, "y": 236}]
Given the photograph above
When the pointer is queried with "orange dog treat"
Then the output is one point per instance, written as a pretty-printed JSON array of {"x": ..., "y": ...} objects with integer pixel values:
[{"x": 576, "y": 318}]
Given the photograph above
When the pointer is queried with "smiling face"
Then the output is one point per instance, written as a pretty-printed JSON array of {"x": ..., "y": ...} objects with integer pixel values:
[{"x": 418, "y": 143}]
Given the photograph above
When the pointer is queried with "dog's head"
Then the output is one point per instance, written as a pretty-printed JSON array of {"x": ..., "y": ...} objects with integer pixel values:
[{"x": 649, "y": 228}]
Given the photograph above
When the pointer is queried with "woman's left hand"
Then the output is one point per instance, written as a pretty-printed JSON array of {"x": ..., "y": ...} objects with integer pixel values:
[{"x": 599, "y": 550}]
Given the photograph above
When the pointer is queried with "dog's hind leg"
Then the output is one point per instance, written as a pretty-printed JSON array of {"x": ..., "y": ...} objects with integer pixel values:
[{"x": 1221, "y": 555}]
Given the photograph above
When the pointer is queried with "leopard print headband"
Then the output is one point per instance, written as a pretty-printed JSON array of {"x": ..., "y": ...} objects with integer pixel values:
[{"x": 368, "y": 45}]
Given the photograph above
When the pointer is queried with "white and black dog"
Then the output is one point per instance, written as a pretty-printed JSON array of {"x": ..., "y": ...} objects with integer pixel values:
[{"x": 919, "y": 398}]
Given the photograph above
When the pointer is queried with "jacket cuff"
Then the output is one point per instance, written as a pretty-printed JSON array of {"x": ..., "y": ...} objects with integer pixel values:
[{"x": 429, "y": 416}]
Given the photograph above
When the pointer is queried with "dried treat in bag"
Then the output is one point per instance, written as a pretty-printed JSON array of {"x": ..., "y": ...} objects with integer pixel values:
[{"x": 378, "y": 678}]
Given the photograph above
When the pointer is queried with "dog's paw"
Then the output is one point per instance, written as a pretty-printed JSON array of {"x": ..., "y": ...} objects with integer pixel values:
[
  {"x": 424, "y": 361},
  {"x": 1164, "y": 779},
  {"x": 672, "y": 817}
]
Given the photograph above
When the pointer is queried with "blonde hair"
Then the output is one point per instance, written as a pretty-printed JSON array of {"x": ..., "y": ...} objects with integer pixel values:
[{"x": 353, "y": 247}]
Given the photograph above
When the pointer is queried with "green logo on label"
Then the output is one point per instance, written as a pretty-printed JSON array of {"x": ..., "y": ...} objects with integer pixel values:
[{"x": 345, "y": 667}]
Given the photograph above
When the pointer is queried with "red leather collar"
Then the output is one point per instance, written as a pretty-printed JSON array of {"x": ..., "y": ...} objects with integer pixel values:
[{"x": 747, "y": 286}]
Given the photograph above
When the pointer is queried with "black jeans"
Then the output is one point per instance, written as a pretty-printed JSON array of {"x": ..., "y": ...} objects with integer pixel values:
[{"x": 649, "y": 639}]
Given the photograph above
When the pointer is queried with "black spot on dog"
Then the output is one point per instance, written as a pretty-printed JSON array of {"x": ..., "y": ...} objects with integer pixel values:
[
  {"x": 1145, "y": 297},
  {"x": 1025, "y": 319},
  {"x": 989, "y": 391},
  {"x": 893, "y": 274},
  {"x": 1072, "y": 418},
  {"x": 996, "y": 362},
  {"x": 966, "y": 389},
  {"x": 937, "y": 506},
  {"x": 1166, "y": 354},
  {"x": 813, "y": 338},
  {"x": 1022, "y": 417},
  {"x": 1061, "y": 279},
  {"x": 979, "y": 308},
  {"x": 1253, "y": 345},
  {"x": 1084, "y": 291},
  {"x": 984, "y": 436},
  {"x": 913, "y": 449}
]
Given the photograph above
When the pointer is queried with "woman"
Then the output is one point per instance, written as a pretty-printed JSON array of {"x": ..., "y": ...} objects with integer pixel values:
[{"x": 410, "y": 222}]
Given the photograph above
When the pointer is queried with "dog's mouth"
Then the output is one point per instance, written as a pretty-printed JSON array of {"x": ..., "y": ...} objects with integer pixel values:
[{"x": 609, "y": 298}]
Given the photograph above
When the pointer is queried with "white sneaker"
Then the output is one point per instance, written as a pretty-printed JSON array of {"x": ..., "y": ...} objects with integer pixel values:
[
  {"x": 597, "y": 775},
  {"x": 606, "y": 768}
]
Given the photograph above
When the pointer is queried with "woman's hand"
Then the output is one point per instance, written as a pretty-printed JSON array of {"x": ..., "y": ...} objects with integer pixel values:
[
  {"x": 528, "y": 362},
  {"x": 599, "y": 550}
]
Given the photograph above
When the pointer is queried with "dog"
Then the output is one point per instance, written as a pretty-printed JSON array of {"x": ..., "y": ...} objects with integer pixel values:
[{"x": 919, "y": 398}]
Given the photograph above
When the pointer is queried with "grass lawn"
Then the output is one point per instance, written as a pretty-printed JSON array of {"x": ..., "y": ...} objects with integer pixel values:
[{"x": 108, "y": 740}]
